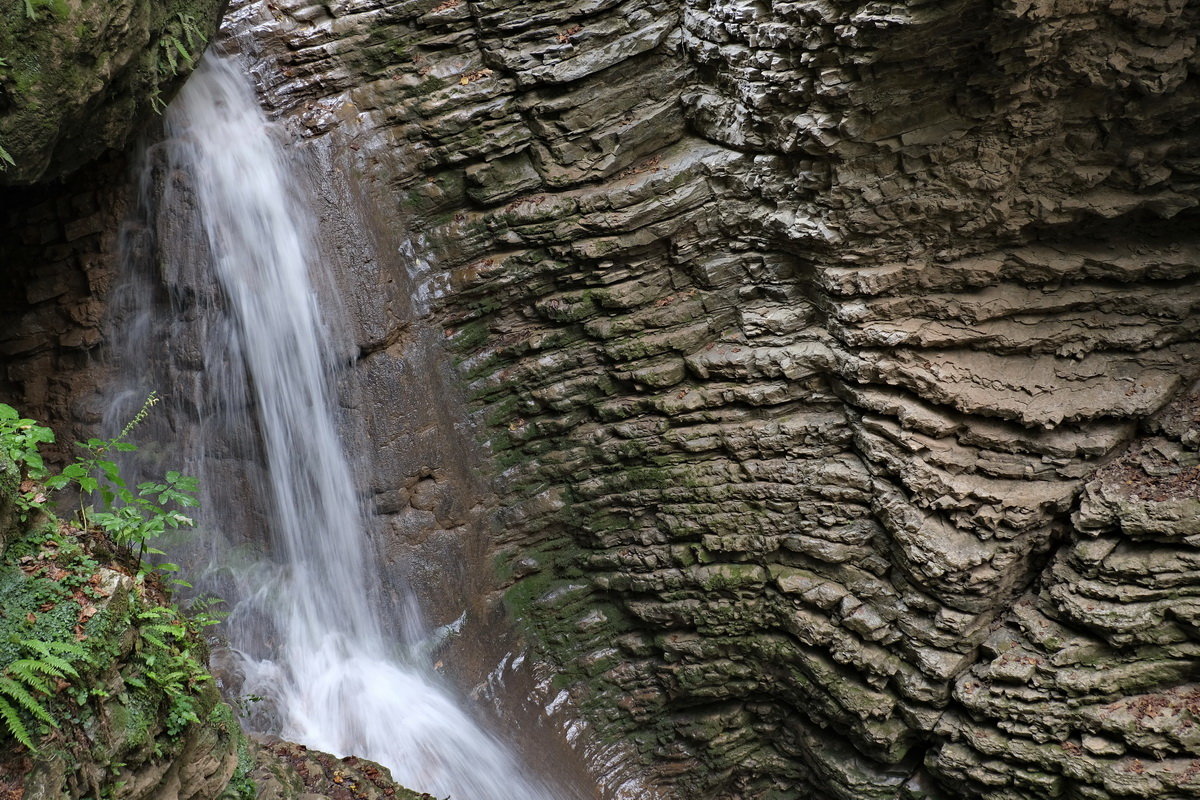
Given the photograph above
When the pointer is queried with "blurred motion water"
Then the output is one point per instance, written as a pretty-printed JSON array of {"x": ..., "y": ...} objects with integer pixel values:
[{"x": 303, "y": 629}]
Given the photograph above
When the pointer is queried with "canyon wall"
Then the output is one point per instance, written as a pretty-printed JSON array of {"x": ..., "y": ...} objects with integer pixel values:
[{"x": 836, "y": 363}]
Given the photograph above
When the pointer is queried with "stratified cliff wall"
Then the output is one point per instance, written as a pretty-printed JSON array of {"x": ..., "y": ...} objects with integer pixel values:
[{"x": 825, "y": 352}]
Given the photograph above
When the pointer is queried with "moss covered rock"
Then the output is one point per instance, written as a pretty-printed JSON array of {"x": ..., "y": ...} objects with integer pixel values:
[
  {"x": 125, "y": 706},
  {"x": 78, "y": 77}
]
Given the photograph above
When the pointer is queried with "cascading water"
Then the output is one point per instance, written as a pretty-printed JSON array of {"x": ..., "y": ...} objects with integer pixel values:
[{"x": 303, "y": 628}]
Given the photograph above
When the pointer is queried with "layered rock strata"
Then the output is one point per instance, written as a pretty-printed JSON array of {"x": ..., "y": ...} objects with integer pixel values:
[{"x": 811, "y": 341}]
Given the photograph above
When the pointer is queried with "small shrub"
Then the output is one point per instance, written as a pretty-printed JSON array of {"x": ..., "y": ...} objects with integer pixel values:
[{"x": 170, "y": 661}]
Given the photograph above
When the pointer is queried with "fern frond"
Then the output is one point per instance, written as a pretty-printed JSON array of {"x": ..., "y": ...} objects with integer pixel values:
[
  {"x": 64, "y": 648},
  {"x": 67, "y": 669},
  {"x": 12, "y": 720},
  {"x": 54, "y": 666},
  {"x": 170, "y": 630},
  {"x": 23, "y": 698},
  {"x": 154, "y": 640},
  {"x": 33, "y": 674}
]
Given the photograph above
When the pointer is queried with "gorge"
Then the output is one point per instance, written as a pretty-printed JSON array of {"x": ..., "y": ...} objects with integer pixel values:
[{"x": 802, "y": 396}]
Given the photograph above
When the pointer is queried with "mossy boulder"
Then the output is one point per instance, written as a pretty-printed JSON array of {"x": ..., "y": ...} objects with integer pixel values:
[{"x": 79, "y": 77}]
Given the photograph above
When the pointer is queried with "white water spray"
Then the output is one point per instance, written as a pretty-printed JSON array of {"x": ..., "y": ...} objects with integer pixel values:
[{"x": 323, "y": 660}]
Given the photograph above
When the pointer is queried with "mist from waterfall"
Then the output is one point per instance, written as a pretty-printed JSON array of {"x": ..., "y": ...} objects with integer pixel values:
[{"x": 304, "y": 632}]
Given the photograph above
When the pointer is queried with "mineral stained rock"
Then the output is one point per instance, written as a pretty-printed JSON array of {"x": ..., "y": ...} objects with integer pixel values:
[
  {"x": 78, "y": 77},
  {"x": 837, "y": 362}
]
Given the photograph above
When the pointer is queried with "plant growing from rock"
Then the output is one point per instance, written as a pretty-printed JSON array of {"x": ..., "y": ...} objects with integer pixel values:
[
  {"x": 24, "y": 680},
  {"x": 130, "y": 518},
  {"x": 181, "y": 39}
]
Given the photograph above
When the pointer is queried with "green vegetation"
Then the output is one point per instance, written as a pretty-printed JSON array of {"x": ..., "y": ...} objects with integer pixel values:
[
  {"x": 25, "y": 678},
  {"x": 127, "y": 517},
  {"x": 171, "y": 663},
  {"x": 58, "y": 8},
  {"x": 181, "y": 40},
  {"x": 55, "y": 596},
  {"x": 20, "y": 440}
]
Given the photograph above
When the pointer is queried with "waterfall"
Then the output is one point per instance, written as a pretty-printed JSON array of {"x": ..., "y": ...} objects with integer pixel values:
[{"x": 304, "y": 631}]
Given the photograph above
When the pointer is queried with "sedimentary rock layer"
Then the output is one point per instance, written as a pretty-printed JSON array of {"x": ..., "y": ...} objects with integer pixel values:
[{"x": 821, "y": 348}]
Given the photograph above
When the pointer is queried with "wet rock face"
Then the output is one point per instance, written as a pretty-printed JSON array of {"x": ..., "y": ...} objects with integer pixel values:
[
  {"x": 288, "y": 771},
  {"x": 825, "y": 352},
  {"x": 798, "y": 332},
  {"x": 78, "y": 78}
]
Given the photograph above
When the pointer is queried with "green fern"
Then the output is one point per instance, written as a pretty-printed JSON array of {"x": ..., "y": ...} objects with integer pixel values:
[
  {"x": 181, "y": 40},
  {"x": 27, "y": 677},
  {"x": 48, "y": 650},
  {"x": 23, "y": 697},
  {"x": 31, "y": 669},
  {"x": 32, "y": 674},
  {"x": 12, "y": 720}
]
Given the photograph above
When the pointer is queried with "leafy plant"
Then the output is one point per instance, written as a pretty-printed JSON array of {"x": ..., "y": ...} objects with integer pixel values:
[
  {"x": 180, "y": 42},
  {"x": 146, "y": 515},
  {"x": 20, "y": 439},
  {"x": 171, "y": 656},
  {"x": 170, "y": 663},
  {"x": 129, "y": 518},
  {"x": 182, "y": 38},
  {"x": 25, "y": 679}
]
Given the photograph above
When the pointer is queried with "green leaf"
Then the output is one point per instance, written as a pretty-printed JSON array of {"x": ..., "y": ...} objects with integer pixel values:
[
  {"x": 18, "y": 693},
  {"x": 12, "y": 720},
  {"x": 74, "y": 471},
  {"x": 182, "y": 50}
]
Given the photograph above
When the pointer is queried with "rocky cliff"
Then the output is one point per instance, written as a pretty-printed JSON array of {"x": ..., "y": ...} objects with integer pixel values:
[
  {"x": 78, "y": 78},
  {"x": 104, "y": 691},
  {"x": 837, "y": 362}
]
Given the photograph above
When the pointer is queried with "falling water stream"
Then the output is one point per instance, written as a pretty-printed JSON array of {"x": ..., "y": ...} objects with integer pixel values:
[{"x": 323, "y": 658}]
